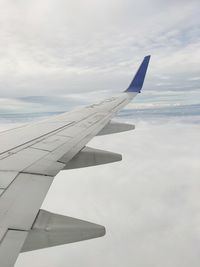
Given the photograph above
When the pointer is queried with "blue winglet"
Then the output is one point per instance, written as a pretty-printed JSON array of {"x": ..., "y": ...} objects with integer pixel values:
[{"x": 138, "y": 80}]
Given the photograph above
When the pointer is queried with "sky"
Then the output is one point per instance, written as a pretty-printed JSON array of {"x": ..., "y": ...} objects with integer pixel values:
[
  {"x": 61, "y": 48},
  {"x": 56, "y": 55}
]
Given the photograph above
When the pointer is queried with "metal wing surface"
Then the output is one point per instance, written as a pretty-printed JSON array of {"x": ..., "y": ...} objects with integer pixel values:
[{"x": 30, "y": 158}]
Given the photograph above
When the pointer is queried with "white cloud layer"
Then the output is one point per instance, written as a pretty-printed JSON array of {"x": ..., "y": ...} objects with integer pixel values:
[{"x": 149, "y": 202}]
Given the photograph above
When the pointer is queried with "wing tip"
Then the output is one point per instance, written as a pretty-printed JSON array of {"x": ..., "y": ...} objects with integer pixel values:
[{"x": 138, "y": 80}]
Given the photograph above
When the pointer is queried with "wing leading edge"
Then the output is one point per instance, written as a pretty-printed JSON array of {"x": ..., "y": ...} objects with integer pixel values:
[{"x": 32, "y": 155}]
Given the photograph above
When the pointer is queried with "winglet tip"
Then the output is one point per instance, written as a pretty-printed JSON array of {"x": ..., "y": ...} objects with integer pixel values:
[{"x": 147, "y": 57}]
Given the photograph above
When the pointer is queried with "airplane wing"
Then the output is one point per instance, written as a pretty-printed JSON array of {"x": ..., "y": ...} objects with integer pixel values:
[{"x": 30, "y": 158}]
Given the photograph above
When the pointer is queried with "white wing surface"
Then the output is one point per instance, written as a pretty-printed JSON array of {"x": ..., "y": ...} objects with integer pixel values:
[{"x": 30, "y": 158}]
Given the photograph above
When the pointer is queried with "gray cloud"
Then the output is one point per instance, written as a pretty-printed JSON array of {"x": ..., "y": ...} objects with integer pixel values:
[{"x": 59, "y": 47}]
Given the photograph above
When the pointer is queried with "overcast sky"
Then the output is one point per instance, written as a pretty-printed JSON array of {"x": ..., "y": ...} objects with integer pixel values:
[
  {"x": 59, "y": 47},
  {"x": 57, "y": 54}
]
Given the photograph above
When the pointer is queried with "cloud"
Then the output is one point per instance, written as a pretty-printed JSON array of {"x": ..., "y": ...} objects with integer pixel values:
[
  {"x": 32, "y": 105},
  {"x": 148, "y": 202},
  {"x": 59, "y": 47}
]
